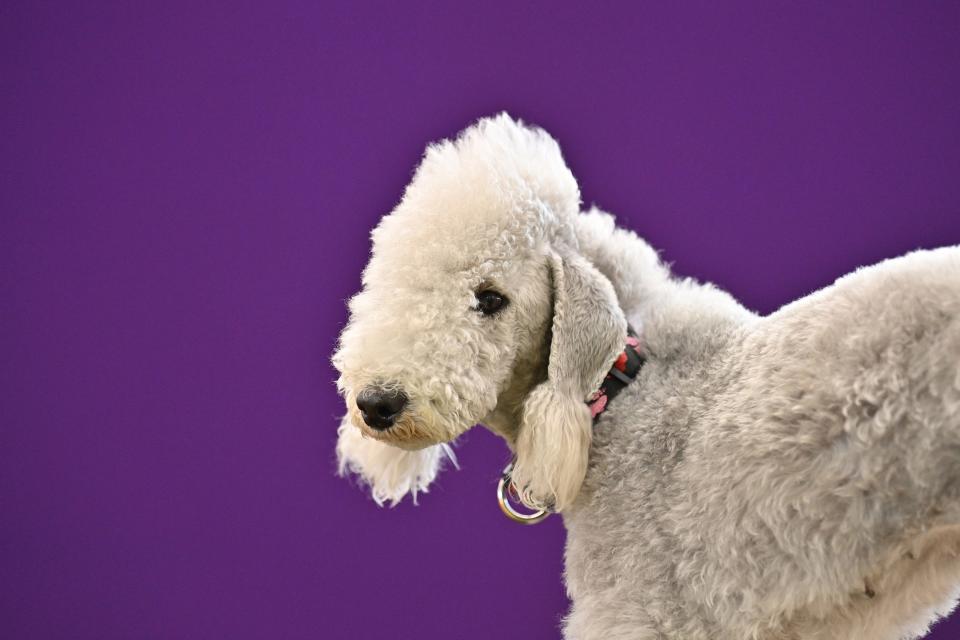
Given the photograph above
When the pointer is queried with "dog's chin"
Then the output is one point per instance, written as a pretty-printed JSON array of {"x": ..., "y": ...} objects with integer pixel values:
[{"x": 411, "y": 432}]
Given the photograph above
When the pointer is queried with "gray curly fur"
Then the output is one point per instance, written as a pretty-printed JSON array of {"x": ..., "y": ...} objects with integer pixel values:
[
  {"x": 793, "y": 476},
  {"x": 788, "y": 477}
]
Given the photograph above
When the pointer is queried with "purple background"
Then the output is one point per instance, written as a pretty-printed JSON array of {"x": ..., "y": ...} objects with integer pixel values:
[{"x": 186, "y": 197}]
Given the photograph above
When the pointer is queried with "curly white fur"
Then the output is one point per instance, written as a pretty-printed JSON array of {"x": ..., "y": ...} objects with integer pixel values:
[
  {"x": 391, "y": 473},
  {"x": 414, "y": 325},
  {"x": 793, "y": 477}
]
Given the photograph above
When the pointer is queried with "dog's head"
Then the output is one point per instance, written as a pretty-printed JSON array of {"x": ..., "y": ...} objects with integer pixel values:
[{"x": 477, "y": 307}]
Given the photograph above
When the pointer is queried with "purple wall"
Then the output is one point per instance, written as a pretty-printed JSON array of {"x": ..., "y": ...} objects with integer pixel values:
[{"x": 186, "y": 197}]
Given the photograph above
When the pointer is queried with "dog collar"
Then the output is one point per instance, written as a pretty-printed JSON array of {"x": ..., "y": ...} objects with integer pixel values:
[{"x": 624, "y": 371}]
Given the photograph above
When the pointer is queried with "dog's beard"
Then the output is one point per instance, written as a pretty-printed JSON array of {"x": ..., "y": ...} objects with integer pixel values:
[{"x": 391, "y": 472}]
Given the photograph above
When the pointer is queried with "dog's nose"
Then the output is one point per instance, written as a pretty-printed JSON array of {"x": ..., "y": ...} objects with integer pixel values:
[{"x": 380, "y": 407}]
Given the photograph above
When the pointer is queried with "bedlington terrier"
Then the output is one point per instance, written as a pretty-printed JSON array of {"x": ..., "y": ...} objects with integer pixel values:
[{"x": 794, "y": 476}]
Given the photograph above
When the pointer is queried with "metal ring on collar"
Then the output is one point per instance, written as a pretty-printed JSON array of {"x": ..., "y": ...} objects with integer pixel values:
[{"x": 507, "y": 507}]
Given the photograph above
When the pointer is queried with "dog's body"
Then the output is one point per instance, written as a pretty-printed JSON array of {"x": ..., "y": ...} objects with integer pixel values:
[
  {"x": 787, "y": 477},
  {"x": 793, "y": 476}
]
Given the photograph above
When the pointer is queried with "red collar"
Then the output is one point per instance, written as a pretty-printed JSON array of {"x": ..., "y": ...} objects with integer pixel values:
[{"x": 624, "y": 371}]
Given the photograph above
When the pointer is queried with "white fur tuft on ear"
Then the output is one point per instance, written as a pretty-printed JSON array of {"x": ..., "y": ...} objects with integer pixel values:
[
  {"x": 587, "y": 333},
  {"x": 552, "y": 448},
  {"x": 390, "y": 472}
]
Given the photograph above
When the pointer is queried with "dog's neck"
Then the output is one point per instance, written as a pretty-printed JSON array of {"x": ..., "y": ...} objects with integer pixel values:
[
  {"x": 505, "y": 419},
  {"x": 639, "y": 279}
]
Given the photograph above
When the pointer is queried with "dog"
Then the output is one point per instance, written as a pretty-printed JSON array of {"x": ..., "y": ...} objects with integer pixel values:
[{"x": 788, "y": 477}]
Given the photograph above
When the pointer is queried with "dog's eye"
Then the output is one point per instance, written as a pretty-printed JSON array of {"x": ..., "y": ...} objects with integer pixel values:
[{"x": 489, "y": 302}]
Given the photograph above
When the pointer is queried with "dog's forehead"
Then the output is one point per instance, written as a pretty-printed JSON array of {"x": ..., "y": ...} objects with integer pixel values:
[
  {"x": 446, "y": 270},
  {"x": 477, "y": 208},
  {"x": 433, "y": 249},
  {"x": 499, "y": 189}
]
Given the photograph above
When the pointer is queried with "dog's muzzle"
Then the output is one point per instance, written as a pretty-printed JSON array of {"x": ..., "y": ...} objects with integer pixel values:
[{"x": 379, "y": 407}]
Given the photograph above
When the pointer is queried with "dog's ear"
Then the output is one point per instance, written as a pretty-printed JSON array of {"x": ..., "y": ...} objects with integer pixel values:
[
  {"x": 390, "y": 472},
  {"x": 587, "y": 333}
]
